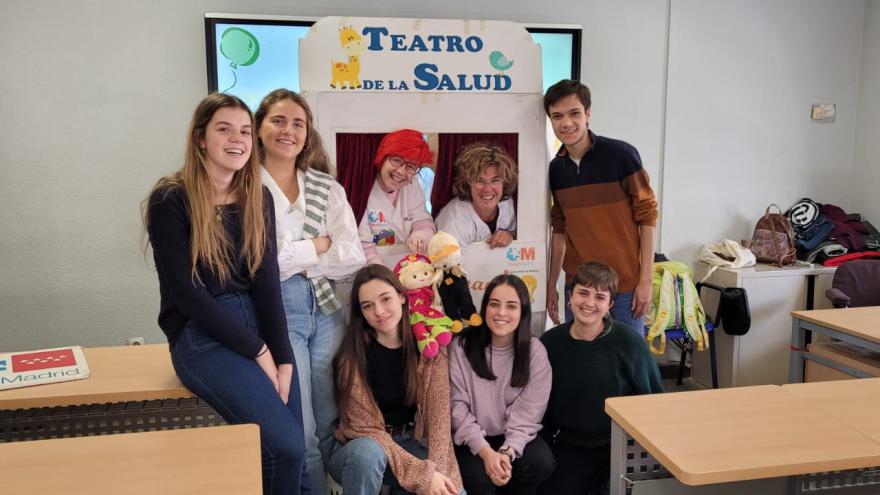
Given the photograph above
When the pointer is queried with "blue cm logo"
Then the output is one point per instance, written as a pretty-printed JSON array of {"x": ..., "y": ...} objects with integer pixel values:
[
  {"x": 512, "y": 254},
  {"x": 2, "y": 365}
]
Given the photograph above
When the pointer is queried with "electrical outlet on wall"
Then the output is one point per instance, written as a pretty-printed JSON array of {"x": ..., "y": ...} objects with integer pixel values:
[
  {"x": 136, "y": 341},
  {"x": 823, "y": 112}
]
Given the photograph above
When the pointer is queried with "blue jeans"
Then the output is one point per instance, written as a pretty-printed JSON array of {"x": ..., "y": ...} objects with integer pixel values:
[
  {"x": 361, "y": 467},
  {"x": 236, "y": 387},
  {"x": 315, "y": 338},
  {"x": 621, "y": 311}
]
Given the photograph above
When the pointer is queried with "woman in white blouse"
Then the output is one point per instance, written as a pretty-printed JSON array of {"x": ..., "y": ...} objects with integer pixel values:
[
  {"x": 482, "y": 210},
  {"x": 317, "y": 243}
]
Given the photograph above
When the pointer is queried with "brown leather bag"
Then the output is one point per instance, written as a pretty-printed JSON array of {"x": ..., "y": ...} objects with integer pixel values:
[{"x": 773, "y": 240}]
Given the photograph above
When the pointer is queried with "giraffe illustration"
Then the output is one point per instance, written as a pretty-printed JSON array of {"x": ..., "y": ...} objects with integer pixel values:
[{"x": 346, "y": 75}]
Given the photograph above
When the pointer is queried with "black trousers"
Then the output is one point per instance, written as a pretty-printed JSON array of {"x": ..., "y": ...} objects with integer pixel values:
[
  {"x": 579, "y": 470},
  {"x": 529, "y": 470}
]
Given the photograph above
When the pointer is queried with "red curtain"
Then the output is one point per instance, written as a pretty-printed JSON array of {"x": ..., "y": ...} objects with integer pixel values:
[
  {"x": 450, "y": 144},
  {"x": 355, "y": 169}
]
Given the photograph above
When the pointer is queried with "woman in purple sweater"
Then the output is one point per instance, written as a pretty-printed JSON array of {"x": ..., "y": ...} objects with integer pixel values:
[{"x": 499, "y": 386}]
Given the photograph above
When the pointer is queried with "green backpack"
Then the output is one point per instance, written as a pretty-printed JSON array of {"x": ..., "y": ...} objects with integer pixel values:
[{"x": 675, "y": 305}]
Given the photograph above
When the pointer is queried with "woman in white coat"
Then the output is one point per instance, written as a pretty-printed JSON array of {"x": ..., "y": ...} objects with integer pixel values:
[
  {"x": 396, "y": 212},
  {"x": 482, "y": 210}
]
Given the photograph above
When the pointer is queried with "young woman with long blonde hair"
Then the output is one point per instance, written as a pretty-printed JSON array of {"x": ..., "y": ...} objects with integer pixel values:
[{"x": 212, "y": 231}]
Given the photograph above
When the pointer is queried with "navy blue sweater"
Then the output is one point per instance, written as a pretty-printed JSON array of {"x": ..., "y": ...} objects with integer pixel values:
[
  {"x": 184, "y": 299},
  {"x": 600, "y": 206}
]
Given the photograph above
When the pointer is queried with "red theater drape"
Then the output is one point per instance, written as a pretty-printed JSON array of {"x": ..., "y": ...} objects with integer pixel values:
[{"x": 355, "y": 169}]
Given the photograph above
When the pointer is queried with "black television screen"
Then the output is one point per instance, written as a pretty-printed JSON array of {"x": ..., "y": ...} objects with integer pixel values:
[{"x": 249, "y": 56}]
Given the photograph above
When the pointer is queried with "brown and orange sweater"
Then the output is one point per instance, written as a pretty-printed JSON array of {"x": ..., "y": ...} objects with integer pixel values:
[{"x": 600, "y": 204}]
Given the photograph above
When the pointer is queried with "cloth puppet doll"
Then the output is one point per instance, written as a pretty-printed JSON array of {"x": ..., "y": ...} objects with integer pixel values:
[
  {"x": 430, "y": 326},
  {"x": 452, "y": 288}
]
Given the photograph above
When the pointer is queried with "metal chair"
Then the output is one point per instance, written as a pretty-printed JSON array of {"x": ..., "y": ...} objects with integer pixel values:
[
  {"x": 738, "y": 323},
  {"x": 683, "y": 342}
]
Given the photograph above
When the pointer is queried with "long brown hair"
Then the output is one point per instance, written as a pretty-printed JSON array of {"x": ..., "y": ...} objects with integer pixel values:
[
  {"x": 210, "y": 245},
  {"x": 351, "y": 359},
  {"x": 313, "y": 154},
  {"x": 475, "y": 340}
]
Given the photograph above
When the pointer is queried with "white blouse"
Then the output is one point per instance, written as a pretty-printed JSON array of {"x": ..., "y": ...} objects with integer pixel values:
[{"x": 298, "y": 255}]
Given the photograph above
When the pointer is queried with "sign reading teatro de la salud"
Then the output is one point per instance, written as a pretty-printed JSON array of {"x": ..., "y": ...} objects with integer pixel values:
[{"x": 418, "y": 55}]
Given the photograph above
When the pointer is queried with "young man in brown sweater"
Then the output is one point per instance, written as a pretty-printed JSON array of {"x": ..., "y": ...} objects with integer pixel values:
[{"x": 603, "y": 206}]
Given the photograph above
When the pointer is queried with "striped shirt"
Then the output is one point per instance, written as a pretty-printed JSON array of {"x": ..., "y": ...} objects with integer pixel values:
[{"x": 599, "y": 206}]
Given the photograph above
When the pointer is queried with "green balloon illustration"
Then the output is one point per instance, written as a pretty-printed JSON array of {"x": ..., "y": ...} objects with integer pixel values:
[{"x": 239, "y": 47}]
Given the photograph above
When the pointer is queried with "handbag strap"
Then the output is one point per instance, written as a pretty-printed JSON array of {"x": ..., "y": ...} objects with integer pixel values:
[
  {"x": 780, "y": 257},
  {"x": 773, "y": 242}
]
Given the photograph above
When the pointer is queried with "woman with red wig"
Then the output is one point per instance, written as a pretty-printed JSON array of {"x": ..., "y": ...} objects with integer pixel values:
[{"x": 396, "y": 212}]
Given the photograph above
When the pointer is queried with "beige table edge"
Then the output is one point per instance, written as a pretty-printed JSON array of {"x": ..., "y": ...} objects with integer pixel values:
[
  {"x": 733, "y": 475},
  {"x": 853, "y": 402},
  {"x": 118, "y": 374},
  {"x": 851, "y": 321},
  {"x": 222, "y": 459}
]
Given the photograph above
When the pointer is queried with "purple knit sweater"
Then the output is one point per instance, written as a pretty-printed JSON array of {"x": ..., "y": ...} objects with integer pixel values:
[{"x": 482, "y": 408}]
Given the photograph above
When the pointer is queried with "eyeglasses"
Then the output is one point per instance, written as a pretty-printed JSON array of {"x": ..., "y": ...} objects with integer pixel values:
[
  {"x": 494, "y": 181},
  {"x": 412, "y": 168}
]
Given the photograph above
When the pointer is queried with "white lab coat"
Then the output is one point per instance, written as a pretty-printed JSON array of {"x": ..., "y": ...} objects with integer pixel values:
[
  {"x": 386, "y": 223},
  {"x": 460, "y": 219}
]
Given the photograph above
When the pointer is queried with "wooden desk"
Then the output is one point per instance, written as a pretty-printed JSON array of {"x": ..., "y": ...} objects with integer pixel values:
[
  {"x": 131, "y": 388},
  {"x": 219, "y": 460},
  {"x": 118, "y": 374},
  {"x": 858, "y": 326},
  {"x": 731, "y": 435},
  {"x": 854, "y": 402}
]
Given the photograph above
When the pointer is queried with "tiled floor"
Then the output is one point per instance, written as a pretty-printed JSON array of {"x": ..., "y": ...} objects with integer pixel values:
[{"x": 686, "y": 385}]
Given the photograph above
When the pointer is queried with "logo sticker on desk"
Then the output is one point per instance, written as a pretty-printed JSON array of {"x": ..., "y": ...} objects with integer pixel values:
[
  {"x": 21, "y": 369},
  {"x": 43, "y": 360}
]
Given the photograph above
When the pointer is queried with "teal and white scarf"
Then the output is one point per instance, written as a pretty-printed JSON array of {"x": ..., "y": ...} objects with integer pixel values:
[{"x": 317, "y": 194}]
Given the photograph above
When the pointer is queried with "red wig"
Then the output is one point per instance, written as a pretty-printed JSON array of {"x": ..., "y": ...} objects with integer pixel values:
[{"x": 407, "y": 144}]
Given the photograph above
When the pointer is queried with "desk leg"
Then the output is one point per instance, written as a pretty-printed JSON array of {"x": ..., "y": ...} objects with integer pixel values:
[
  {"x": 617, "y": 484},
  {"x": 793, "y": 485},
  {"x": 796, "y": 358}
]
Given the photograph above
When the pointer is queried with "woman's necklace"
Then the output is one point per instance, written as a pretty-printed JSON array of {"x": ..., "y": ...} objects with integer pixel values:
[{"x": 219, "y": 208}]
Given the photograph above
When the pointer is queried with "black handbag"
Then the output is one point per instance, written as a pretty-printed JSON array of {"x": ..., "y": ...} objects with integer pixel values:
[
  {"x": 733, "y": 311},
  {"x": 733, "y": 314}
]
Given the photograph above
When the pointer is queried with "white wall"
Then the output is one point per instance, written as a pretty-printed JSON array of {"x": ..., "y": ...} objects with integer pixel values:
[
  {"x": 742, "y": 76},
  {"x": 96, "y": 96},
  {"x": 866, "y": 179}
]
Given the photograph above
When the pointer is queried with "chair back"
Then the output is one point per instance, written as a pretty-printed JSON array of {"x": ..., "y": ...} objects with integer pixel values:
[{"x": 859, "y": 281}]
